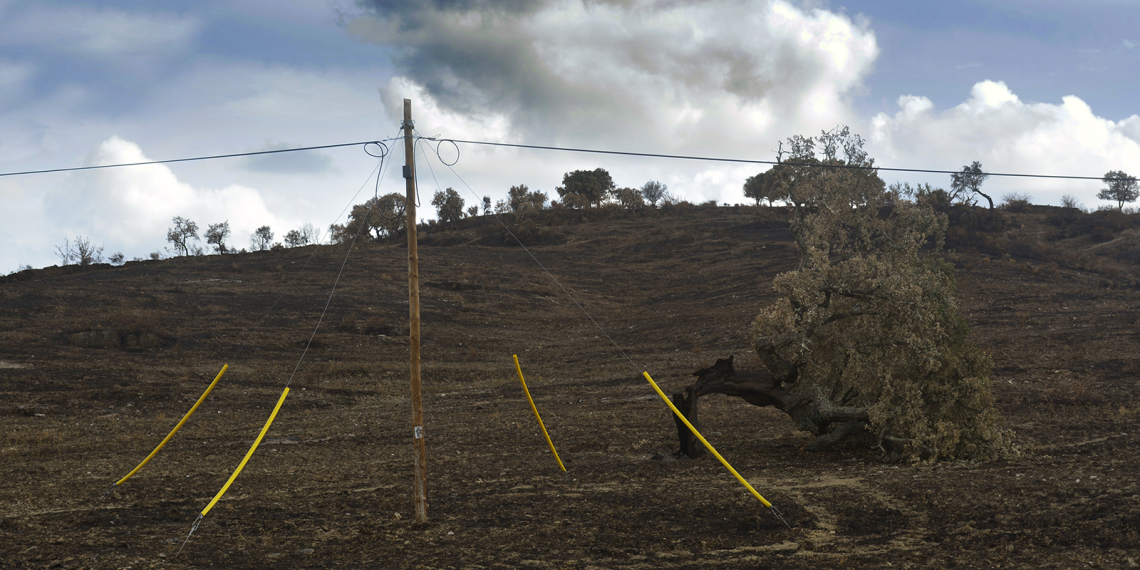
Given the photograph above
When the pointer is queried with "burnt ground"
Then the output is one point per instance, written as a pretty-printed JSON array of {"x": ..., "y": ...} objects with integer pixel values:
[{"x": 331, "y": 485}]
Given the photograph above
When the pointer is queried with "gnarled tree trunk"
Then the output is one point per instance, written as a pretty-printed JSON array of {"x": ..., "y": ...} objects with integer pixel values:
[
  {"x": 829, "y": 422},
  {"x": 687, "y": 404}
]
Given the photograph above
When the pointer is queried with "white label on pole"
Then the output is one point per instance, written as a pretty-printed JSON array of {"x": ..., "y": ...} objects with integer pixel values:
[{"x": 419, "y": 432}]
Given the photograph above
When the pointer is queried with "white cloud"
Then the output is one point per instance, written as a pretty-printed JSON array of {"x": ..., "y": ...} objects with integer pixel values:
[
  {"x": 990, "y": 95},
  {"x": 680, "y": 75},
  {"x": 129, "y": 209},
  {"x": 994, "y": 126},
  {"x": 679, "y": 78},
  {"x": 1130, "y": 128},
  {"x": 431, "y": 118},
  {"x": 105, "y": 34}
]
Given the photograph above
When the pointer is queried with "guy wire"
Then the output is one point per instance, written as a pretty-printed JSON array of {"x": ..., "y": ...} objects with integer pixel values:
[
  {"x": 308, "y": 259},
  {"x": 324, "y": 311},
  {"x": 384, "y": 151},
  {"x": 242, "y": 346},
  {"x": 374, "y": 205},
  {"x": 637, "y": 369}
]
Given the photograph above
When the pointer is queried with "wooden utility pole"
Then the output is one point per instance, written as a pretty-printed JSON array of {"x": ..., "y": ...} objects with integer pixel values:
[{"x": 414, "y": 317}]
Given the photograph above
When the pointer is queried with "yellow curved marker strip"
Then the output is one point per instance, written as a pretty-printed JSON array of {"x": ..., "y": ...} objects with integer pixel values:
[
  {"x": 177, "y": 427},
  {"x": 540, "y": 424},
  {"x": 248, "y": 454},
  {"x": 707, "y": 444}
]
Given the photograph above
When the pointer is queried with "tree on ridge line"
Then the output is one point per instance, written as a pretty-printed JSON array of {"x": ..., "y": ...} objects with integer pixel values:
[
  {"x": 968, "y": 182},
  {"x": 653, "y": 192},
  {"x": 582, "y": 188},
  {"x": 216, "y": 236},
  {"x": 1121, "y": 188},
  {"x": 180, "y": 235},
  {"x": 262, "y": 239},
  {"x": 448, "y": 205}
]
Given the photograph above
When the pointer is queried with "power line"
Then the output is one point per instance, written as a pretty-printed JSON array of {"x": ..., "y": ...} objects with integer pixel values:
[
  {"x": 172, "y": 160},
  {"x": 555, "y": 148},
  {"x": 747, "y": 161}
]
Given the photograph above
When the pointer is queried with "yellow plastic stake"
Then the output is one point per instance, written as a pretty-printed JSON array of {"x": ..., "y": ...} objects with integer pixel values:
[
  {"x": 177, "y": 427},
  {"x": 532, "y": 406},
  {"x": 708, "y": 445},
  {"x": 248, "y": 454}
]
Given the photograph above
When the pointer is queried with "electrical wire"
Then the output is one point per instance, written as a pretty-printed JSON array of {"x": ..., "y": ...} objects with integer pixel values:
[
  {"x": 748, "y": 161},
  {"x": 340, "y": 273},
  {"x": 192, "y": 159},
  {"x": 243, "y": 346},
  {"x": 415, "y": 177},
  {"x": 456, "y": 142},
  {"x": 249, "y": 335},
  {"x": 383, "y": 153}
]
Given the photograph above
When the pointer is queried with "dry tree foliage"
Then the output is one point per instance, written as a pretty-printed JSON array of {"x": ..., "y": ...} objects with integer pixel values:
[
  {"x": 869, "y": 320},
  {"x": 867, "y": 338}
]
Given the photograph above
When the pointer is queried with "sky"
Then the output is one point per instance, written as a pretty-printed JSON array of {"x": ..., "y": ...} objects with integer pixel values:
[{"x": 1043, "y": 86}]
